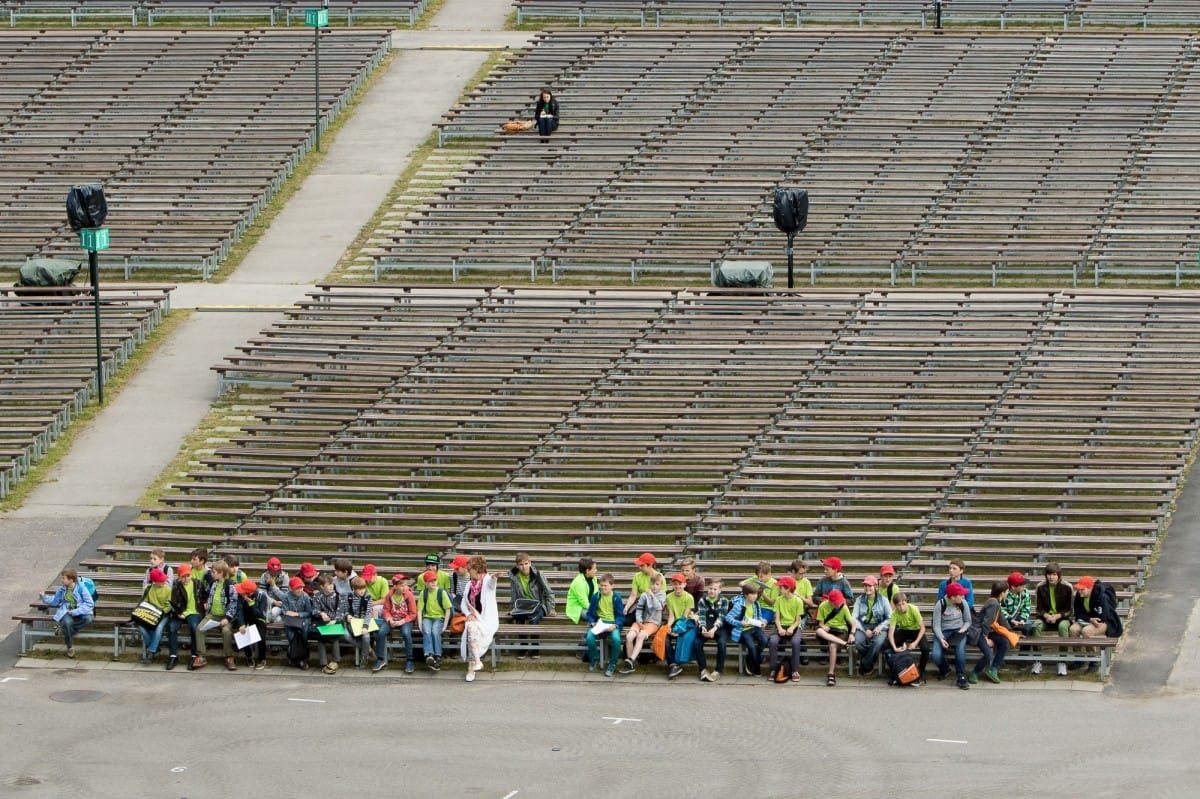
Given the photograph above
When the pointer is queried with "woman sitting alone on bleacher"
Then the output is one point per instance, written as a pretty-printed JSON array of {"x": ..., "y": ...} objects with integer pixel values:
[
  {"x": 545, "y": 111},
  {"x": 483, "y": 618}
]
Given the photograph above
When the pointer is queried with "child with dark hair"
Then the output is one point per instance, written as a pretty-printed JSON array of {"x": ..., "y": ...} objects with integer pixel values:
[
  {"x": 399, "y": 611},
  {"x": 545, "y": 111},
  {"x": 255, "y": 604},
  {"x": 581, "y": 590},
  {"x": 992, "y": 645},
  {"x": 186, "y": 605}
]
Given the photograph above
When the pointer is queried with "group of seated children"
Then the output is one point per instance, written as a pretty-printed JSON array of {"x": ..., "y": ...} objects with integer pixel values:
[{"x": 766, "y": 617}]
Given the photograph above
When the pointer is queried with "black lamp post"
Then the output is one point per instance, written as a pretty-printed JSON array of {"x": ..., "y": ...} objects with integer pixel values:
[
  {"x": 86, "y": 211},
  {"x": 791, "y": 215}
]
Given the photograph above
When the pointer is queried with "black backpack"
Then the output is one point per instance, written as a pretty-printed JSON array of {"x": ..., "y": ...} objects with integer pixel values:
[{"x": 1109, "y": 596}]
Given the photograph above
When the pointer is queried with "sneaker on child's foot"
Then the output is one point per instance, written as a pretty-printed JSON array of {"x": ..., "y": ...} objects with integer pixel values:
[
  {"x": 437, "y": 664},
  {"x": 992, "y": 675},
  {"x": 379, "y": 665},
  {"x": 627, "y": 666},
  {"x": 408, "y": 667},
  {"x": 713, "y": 676},
  {"x": 1037, "y": 667},
  {"x": 973, "y": 678},
  {"x": 1062, "y": 669},
  {"x": 259, "y": 665},
  {"x": 674, "y": 671},
  {"x": 704, "y": 675},
  {"x": 610, "y": 671},
  {"x": 430, "y": 661}
]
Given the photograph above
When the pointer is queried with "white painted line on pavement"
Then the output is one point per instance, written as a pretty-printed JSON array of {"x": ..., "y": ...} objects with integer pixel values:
[
  {"x": 944, "y": 741},
  {"x": 511, "y": 795},
  {"x": 19, "y": 679},
  {"x": 314, "y": 701},
  {"x": 616, "y": 719}
]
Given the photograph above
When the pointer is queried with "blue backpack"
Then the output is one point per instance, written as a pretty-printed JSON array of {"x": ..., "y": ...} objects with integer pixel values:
[{"x": 90, "y": 587}]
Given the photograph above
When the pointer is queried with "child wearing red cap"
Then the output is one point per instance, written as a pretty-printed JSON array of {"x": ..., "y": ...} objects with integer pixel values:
[
  {"x": 680, "y": 607},
  {"x": 1095, "y": 611},
  {"x": 274, "y": 582},
  {"x": 186, "y": 602},
  {"x": 158, "y": 594},
  {"x": 434, "y": 607},
  {"x": 645, "y": 563},
  {"x": 788, "y": 626},
  {"x": 833, "y": 579},
  {"x": 253, "y": 606},
  {"x": 951, "y": 620},
  {"x": 836, "y": 627},
  {"x": 398, "y": 612},
  {"x": 158, "y": 560},
  {"x": 297, "y": 618},
  {"x": 377, "y": 587}
]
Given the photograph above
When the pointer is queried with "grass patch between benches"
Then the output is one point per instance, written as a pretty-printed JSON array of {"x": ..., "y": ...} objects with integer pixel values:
[{"x": 112, "y": 389}]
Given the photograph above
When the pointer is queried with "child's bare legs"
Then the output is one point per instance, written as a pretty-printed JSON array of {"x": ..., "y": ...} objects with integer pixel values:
[{"x": 634, "y": 641}]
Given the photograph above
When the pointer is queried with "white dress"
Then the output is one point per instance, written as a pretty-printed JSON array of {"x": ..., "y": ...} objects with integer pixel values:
[{"x": 482, "y": 625}]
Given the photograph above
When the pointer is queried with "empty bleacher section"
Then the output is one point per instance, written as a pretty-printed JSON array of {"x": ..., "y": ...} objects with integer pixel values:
[
  {"x": 993, "y": 156},
  {"x": 860, "y": 12},
  {"x": 1010, "y": 428},
  {"x": 48, "y": 361},
  {"x": 191, "y": 132},
  {"x": 206, "y": 12}
]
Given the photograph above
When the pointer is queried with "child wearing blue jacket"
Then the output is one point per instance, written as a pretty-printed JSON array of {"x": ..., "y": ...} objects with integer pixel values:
[
  {"x": 73, "y": 607},
  {"x": 606, "y": 615}
]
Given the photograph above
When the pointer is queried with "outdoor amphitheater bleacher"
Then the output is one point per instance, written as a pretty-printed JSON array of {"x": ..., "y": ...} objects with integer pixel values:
[
  {"x": 48, "y": 361},
  {"x": 208, "y": 12},
  {"x": 963, "y": 155},
  {"x": 1009, "y": 428},
  {"x": 1063, "y": 13},
  {"x": 192, "y": 133}
]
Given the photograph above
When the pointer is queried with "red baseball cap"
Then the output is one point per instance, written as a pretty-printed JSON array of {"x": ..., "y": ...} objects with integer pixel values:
[
  {"x": 295, "y": 583},
  {"x": 1015, "y": 579},
  {"x": 1085, "y": 582},
  {"x": 308, "y": 570},
  {"x": 459, "y": 562},
  {"x": 956, "y": 589},
  {"x": 833, "y": 563},
  {"x": 887, "y": 568},
  {"x": 429, "y": 576},
  {"x": 398, "y": 577},
  {"x": 246, "y": 587},
  {"x": 274, "y": 565},
  {"x": 368, "y": 572},
  {"x": 678, "y": 578},
  {"x": 786, "y": 582},
  {"x": 836, "y": 597},
  {"x": 646, "y": 559},
  {"x": 158, "y": 576}
]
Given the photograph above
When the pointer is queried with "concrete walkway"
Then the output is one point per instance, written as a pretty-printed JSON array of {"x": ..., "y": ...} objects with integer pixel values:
[{"x": 135, "y": 437}]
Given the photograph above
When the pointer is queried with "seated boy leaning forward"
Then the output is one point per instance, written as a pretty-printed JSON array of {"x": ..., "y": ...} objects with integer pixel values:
[
  {"x": 73, "y": 607},
  {"x": 605, "y": 615},
  {"x": 746, "y": 625},
  {"x": 648, "y": 617},
  {"x": 906, "y": 633},
  {"x": 836, "y": 627},
  {"x": 710, "y": 628},
  {"x": 1095, "y": 611}
]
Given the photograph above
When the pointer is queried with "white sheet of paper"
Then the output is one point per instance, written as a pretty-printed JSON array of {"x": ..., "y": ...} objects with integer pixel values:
[
  {"x": 208, "y": 624},
  {"x": 601, "y": 627},
  {"x": 246, "y": 637}
]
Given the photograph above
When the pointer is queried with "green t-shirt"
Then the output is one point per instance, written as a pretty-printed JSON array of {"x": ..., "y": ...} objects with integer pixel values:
[
  {"x": 604, "y": 608},
  {"x": 433, "y": 603},
  {"x": 189, "y": 589},
  {"x": 910, "y": 619},
  {"x": 641, "y": 582},
  {"x": 217, "y": 610},
  {"x": 768, "y": 591},
  {"x": 804, "y": 588},
  {"x": 377, "y": 588},
  {"x": 523, "y": 579},
  {"x": 680, "y": 604},
  {"x": 788, "y": 609},
  {"x": 838, "y": 619}
]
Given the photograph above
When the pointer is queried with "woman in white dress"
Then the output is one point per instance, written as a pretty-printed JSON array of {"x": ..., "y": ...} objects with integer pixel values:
[{"x": 483, "y": 617}]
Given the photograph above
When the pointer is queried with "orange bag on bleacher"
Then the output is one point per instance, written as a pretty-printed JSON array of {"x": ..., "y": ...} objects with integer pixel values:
[{"x": 659, "y": 642}]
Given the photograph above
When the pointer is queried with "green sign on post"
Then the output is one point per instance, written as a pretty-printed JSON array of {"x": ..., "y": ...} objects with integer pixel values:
[
  {"x": 93, "y": 239},
  {"x": 317, "y": 18}
]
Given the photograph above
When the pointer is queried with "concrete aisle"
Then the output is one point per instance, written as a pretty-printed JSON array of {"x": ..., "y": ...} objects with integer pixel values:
[{"x": 134, "y": 438}]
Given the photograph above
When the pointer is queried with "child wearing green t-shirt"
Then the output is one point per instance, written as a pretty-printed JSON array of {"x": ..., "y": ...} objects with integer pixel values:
[
  {"x": 680, "y": 606},
  {"x": 606, "y": 615},
  {"x": 907, "y": 632},
  {"x": 788, "y": 626},
  {"x": 836, "y": 627}
]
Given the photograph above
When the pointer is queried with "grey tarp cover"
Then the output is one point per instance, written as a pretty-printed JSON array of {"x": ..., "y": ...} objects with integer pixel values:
[
  {"x": 49, "y": 272},
  {"x": 743, "y": 274}
]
